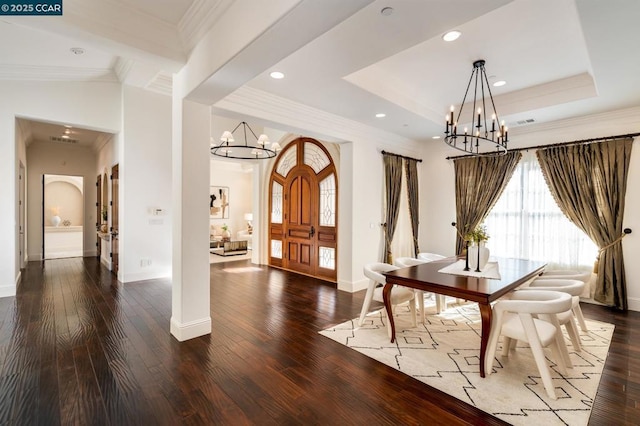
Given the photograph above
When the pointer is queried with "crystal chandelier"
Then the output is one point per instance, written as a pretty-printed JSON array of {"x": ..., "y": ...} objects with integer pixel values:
[
  {"x": 485, "y": 135},
  {"x": 228, "y": 148}
]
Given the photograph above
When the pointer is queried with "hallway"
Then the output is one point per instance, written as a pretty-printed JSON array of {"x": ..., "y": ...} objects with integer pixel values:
[{"x": 76, "y": 347}]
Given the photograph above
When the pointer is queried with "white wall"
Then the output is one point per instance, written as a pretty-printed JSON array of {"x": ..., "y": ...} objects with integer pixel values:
[
  {"x": 90, "y": 105},
  {"x": 438, "y": 183},
  {"x": 59, "y": 159},
  {"x": 145, "y": 185}
]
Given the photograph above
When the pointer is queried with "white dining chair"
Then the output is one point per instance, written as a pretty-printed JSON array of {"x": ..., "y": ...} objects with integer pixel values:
[
  {"x": 585, "y": 277},
  {"x": 573, "y": 287},
  {"x": 430, "y": 256},
  {"x": 562, "y": 274},
  {"x": 405, "y": 262},
  {"x": 521, "y": 318},
  {"x": 399, "y": 294}
]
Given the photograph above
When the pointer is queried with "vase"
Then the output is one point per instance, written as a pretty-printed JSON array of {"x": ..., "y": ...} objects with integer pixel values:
[
  {"x": 473, "y": 255},
  {"x": 226, "y": 234},
  {"x": 55, "y": 220}
]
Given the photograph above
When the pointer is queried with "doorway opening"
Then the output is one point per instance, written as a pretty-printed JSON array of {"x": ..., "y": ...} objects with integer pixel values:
[
  {"x": 62, "y": 216},
  {"x": 303, "y": 226}
]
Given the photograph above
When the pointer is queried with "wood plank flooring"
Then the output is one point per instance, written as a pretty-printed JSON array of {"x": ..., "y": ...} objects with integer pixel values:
[{"x": 76, "y": 347}]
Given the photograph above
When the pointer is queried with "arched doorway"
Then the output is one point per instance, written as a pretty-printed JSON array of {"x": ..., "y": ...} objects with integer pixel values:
[{"x": 303, "y": 210}]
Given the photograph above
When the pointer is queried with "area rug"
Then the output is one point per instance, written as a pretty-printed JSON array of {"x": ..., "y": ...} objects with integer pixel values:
[{"x": 444, "y": 353}]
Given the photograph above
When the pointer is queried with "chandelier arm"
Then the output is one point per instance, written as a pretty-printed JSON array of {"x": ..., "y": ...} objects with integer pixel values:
[
  {"x": 476, "y": 70},
  {"x": 464, "y": 99},
  {"x": 236, "y": 128},
  {"x": 484, "y": 106},
  {"x": 252, "y": 132},
  {"x": 493, "y": 105},
  {"x": 244, "y": 132}
]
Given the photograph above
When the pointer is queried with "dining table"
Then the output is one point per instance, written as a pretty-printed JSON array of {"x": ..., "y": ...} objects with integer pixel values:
[{"x": 427, "y": 277}]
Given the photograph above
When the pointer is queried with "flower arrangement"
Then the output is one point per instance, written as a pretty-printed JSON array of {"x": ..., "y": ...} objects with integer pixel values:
[
  {"x": 225, "y": 227},
  {"x": 104, "y": 213},
  {"x": 477, "y": 235}
]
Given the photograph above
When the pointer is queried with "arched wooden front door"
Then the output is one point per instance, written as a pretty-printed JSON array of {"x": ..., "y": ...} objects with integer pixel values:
[{"x": 303, "y": 210}]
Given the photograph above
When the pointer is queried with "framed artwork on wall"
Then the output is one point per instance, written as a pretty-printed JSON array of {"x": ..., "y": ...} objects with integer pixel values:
[{"x": 219, "y": 202}]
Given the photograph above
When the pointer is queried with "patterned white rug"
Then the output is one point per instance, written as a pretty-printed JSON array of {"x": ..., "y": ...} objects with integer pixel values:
[{"x": 444, "y": 353}]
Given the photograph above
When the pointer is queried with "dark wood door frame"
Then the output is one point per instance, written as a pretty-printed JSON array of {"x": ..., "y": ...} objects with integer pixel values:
[{"x": 115, "y": 257}]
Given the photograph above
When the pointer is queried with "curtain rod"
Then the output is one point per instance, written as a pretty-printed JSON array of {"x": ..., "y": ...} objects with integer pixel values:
[
  {"x": 578, "y": 142},
  {"x": 402, "y": 156}
]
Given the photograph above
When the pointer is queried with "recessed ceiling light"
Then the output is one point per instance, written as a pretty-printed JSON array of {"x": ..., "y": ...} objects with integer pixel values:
[
  {"x": 381, "y": 115},
  {"x": 65, "y": 136},
  {"x": 435, "y": 137},
  {"x": 77, "y": 50},
  {"x": 386, "y": 11},
  {"x": 499, "y": 83},
  {"x": 277, "y": 75},
  {"x": 451, "y": 35}
]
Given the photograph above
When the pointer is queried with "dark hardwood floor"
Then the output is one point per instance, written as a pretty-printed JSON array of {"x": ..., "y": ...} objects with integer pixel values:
[{"x": 76, "y": 347}]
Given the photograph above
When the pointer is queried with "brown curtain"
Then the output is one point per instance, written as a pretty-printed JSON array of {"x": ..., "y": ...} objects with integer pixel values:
[
  {"x": 589, "y": 183},
  {"x": 411, "y": 171},
  {"x": 393, "y": 185},
  {"x": 479, "y": 183}
]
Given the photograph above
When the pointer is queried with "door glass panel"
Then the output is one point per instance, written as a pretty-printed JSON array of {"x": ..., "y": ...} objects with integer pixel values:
[
  {"x": 315, "y": 157},
  {"x": 276, "y": 249},
  {"x": 276, "y": 203},
  {"x": 327, "y": 257},
  {"x": 287, "y": 161},
  {"x": 328, "y": 201}
]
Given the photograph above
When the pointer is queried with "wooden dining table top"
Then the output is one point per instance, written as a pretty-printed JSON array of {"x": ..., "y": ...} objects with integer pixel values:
[{"x": 513, "y": 273}]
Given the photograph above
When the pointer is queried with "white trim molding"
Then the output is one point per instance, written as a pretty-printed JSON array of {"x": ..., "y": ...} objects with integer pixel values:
[{"x": 191, "y": 329}]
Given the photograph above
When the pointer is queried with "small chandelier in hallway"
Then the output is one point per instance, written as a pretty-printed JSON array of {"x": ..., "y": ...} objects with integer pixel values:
[{"x": 228, "y": 148}]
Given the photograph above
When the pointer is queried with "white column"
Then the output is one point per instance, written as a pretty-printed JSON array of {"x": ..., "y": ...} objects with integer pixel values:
[{"x": 190, "y": 316}]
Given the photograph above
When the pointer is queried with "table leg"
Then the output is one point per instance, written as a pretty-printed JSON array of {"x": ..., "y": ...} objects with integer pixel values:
[
  {"x": 386, "y": 297},
  {"x": 485, "y": 314}
]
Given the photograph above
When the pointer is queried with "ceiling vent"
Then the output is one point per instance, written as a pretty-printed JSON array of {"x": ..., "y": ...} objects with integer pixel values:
[
  {"x": 523, "y": 122},
  {"x": 63, "y": 140}
]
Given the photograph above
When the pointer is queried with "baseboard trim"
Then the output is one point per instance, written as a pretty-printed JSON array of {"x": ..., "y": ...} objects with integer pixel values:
[
  {"x": 143, "y": 276},
  {"x": 8, "y": 290},
  {"x": 352, "y": 286},
  {"x": 634, "y": 303},
  {"x": 190, "y": 330},
  {"x": 106, "y": 263}
]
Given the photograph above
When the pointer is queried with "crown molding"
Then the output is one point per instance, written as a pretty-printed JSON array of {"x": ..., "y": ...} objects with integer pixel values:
[
  {"x": 162, "y": 83},
  {"x": 201, "y": 15},
  {"x": 267, "y": 106},
  {"x": 604, "y": 124},
  {"x": 629, "y": 116},
  {"x": 122, "y": 68},
  {"x": 47, "y": 73},
  {"x": 101, "y": 141}
]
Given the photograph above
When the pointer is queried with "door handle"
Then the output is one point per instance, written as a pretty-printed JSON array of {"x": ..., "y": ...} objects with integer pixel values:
[{"x": 312, "y": 232}]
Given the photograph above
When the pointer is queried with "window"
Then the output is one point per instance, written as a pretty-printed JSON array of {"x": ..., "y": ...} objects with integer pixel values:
[
  {"x": 276, "y": 203},
  {"x": 527, "y": 223}
]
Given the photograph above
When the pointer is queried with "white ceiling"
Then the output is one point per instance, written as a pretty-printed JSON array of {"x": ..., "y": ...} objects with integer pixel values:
[{"x": 561, "y": 58}]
